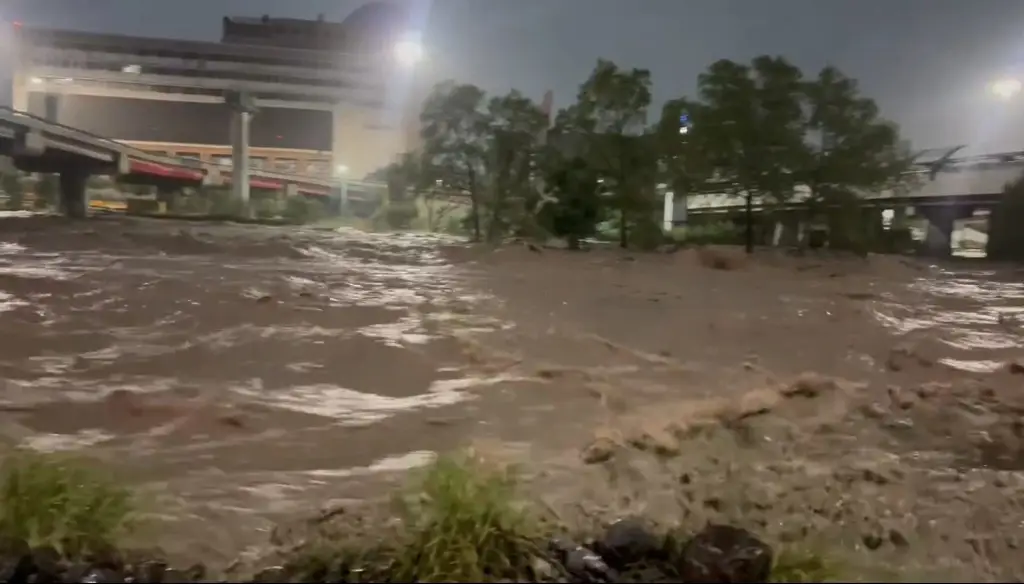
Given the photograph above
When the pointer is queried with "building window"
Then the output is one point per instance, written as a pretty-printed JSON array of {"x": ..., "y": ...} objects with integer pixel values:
[{"x": 286, "y": 164}]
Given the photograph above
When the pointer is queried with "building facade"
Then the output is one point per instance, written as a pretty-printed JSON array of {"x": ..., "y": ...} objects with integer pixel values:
[{"x": 321, "y": 88}]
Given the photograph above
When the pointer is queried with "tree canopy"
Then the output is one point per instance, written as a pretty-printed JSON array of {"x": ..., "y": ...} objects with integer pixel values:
[{"x": 762, "y": 131}]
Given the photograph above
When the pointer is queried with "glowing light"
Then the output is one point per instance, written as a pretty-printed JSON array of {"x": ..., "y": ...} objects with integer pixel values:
[
  {"x": 1006, "y": 88},
  {"x": 340, "y": 170},
  {"x": 408, "y": 53},
  {"x": 37, "y": 80}
]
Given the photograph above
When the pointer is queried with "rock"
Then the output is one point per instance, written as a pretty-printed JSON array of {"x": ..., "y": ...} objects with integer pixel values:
[
  {"x": 582, "y": 564},
  {"x": 722, "y": 553},
  {"x": 15, "y": 560},
  {"x": 627, "y": 541},
  {"x": 47, "y": 564},
  {"x": 542, "y": 570},
  {"x": 150, "y": 572},
  {"x": 600, "y": 450}
]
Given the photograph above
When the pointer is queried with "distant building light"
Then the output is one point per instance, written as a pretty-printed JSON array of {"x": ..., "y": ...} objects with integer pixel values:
[
  {"x": 133, "y": 69},
  {"x": 37, "y": 80}
]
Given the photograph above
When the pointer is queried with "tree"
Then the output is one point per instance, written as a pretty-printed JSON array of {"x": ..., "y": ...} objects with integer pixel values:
[
  {"x": 606, "y": 127},
  {"x": 574, "y": 208},
  {"x": 850, "y": 151},
  {"x": 455, "y": 132},
  {"x": 749, "y": 125},
  {"x": 683, "y": 166},
  {"x": 404, "y": 179},
  {"x": 518, "y": 131}
]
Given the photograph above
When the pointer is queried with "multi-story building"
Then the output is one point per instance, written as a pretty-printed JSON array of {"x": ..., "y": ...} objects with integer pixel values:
[{"x": 321, "y": 89}]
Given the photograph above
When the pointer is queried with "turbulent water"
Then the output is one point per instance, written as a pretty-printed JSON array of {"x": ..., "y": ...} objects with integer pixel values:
[
  {"x": 977, "y": 316},
  {"x": 285, "y": 359}
]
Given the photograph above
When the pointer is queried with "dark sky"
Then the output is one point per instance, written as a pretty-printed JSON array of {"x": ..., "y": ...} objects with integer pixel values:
[{"x": 929, "y": 63}]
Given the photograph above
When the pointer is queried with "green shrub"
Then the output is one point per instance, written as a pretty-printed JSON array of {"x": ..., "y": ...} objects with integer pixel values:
[
  {"x": 63, "y": 502},
  {"x": 301, "y": 209},
  {"x": 461, "y": 521},
  {"x": 804, "y": 566},
  {"x": 396, "y": 215},
  {"x": 720, "y": 233}
]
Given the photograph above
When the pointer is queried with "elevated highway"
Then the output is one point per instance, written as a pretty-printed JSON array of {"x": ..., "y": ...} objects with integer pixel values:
[
  {"x": 945, "y": 181},
  {"x": 37, "y": 145}
]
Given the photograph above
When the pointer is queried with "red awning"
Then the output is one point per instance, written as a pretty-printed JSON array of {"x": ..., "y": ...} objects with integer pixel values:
[{"x": 165, "y": 171}]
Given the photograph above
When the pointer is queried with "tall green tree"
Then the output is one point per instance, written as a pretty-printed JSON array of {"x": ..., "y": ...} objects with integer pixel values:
[
  {"x": 573, "y": 208},
  {"x": 456, "y": 138},
  {"x": 607, "y": 127},
  {"x": 684, "y": 166},
  {"x": 518, "y": 132},
  {"x": 851, "y": 151},
  {"x": 749, "y": 125},
  {"x": 405, "y": 181}
]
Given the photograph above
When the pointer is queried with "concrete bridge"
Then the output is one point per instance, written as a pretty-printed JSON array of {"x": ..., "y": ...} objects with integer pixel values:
[
  {"x": 37, "y": 145},
  {"x": 940, "y": 190}
]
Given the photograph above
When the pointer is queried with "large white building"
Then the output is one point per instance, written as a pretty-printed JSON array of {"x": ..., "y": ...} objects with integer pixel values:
[{"x": 324, "y": 90}]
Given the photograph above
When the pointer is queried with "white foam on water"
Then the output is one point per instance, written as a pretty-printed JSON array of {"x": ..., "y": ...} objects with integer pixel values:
[{"x": 66, "y": 442}]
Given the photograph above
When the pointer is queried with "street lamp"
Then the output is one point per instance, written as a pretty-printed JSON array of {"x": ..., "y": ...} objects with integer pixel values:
[
  {"x": 408, "y": 52},
  {"x": 1006, "y": 88}
]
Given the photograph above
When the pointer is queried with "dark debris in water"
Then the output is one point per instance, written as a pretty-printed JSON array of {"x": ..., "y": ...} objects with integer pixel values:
[{"x": 629, "y": 552}]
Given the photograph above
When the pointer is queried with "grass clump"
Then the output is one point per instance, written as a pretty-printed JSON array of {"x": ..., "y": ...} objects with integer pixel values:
[
  {"x": 804, "y": 566},
  {"x": 461, "y": 521},
  {"x": 48, "y": 500},
  {"x": 465, "y": 524}
]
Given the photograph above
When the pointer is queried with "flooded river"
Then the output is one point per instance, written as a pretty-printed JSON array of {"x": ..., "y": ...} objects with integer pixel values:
[{"x": 239, "y": 371}]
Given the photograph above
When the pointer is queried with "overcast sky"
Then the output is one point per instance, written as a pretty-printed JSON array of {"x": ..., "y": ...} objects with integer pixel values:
[{"x": 927, "y": 62}]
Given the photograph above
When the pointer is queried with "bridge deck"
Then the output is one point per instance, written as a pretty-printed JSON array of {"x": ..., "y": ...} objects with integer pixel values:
[{"x": 985, "y": 179}]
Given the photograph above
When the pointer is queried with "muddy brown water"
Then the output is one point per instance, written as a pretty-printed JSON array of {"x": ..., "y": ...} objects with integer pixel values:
[{"x": 240, "y": 372}]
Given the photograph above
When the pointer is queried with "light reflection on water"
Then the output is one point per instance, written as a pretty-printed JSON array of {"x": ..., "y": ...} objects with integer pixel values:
[{"x": 972, "y": 312}]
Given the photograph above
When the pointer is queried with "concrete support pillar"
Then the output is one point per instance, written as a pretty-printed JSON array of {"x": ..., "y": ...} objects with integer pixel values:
[
  {"x": 19, "y": 90},
  {"x": 74, "y": 200},
  {"x": 51, "y": 107},
  {"x": 669, "y": 212},
  {"x": 242, "y": 109},
  {"x": 938, "y": 240},
  {"x": 240, "y": 121}
]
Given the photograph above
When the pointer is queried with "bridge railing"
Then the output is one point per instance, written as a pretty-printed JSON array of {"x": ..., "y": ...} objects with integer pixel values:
[{"x": 39, "y": 123}]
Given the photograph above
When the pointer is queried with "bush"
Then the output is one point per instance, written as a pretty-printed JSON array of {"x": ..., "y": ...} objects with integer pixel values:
[
  {"x": 396, "y": 215},
  {"x": 300, "y": 209},
  {"x": 720, "y": 233},
  {"x": 461, "y": 522},
  {"x": 61, "y": 502}
]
